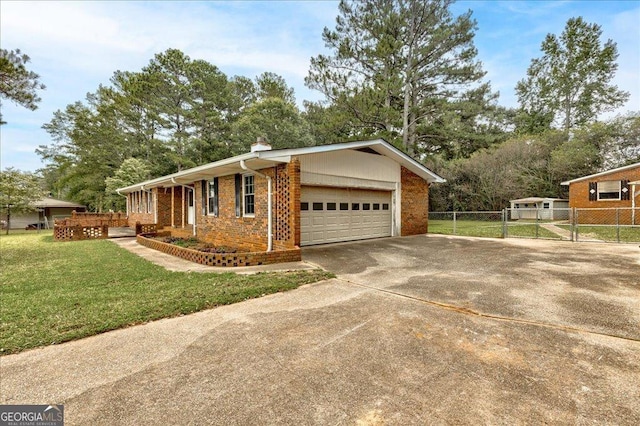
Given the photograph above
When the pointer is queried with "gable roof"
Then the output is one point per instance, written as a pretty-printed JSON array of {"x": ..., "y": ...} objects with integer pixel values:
[
  {"x": 264, "y": 159},
  {"x": 537, "y": 200},
  {"x": 52, "y": 202},
  {"x": 595, "y": 175}
]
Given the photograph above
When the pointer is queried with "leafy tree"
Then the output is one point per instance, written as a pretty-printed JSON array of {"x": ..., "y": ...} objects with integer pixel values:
[
  {"x": 398, "y": 66},
  {"x": 132, "y": 170},
  {"x": 571, "y": 81},
  {"x": 271, "y": 85},
  {"x": 275, "y": 119},
  {"x": 622, "y": 147},
  {"x": 16, "y": 82},
  {"x": 18, "y": 191}
]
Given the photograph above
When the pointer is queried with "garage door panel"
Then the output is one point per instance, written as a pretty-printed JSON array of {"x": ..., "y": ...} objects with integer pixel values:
[{"x": 343, "y": 214}]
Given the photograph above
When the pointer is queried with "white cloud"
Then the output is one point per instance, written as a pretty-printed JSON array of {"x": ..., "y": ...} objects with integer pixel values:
[{"x": 75, "y": 46}]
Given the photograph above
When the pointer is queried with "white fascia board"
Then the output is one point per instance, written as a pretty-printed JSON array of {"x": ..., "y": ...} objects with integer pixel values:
[
  {"x": 606, "y": 172},
  {"x": 179, "y": 177},
  {"x": 379, "y": 145}
]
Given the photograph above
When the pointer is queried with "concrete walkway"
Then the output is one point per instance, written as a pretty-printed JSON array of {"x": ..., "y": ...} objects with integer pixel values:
[
  {"x": 177, "y": 264},
  {"x": 565, "y": 234}
]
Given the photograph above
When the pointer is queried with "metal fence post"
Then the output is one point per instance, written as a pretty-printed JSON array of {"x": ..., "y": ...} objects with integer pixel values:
[
  {"x": 504, "y": 223},
  {"x": 454, "y": 223},
  {"x": 618, "y": 225},
  {"x": 576, "y": 226},
  {"x": 537, "y": 223},
  {"x": 572, "y": 218}
]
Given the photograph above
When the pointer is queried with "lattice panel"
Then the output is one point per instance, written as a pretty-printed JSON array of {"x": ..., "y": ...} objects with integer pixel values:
[
  {"x": 283, "y": 201},
  {"x": 63, "y": 233},
  {"x": 91, "y": 232}
]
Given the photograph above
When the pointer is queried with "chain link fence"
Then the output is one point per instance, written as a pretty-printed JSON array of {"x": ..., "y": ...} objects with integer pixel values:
[{"x": 620, "y": 225}]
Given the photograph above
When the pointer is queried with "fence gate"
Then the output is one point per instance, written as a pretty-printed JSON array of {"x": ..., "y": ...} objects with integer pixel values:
[{"x": 567, "y": 224}]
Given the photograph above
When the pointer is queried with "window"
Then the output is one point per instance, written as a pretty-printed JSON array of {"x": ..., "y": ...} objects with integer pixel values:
[
  {"x": 545, "y": 205},
  {"x": 344, "y": 206},
  {"x": 248, "y": 189},
  {"x": 212, "y": 197},
  {"x": 355, "y": 206},
  {"x": 149, "y": 202},
  {"x": 366, "y": 206},
  {"x": 238, "y": 189},
  {"x": 376, "y": 206},
  {"x": 331, "y": 206},
  {"x": 304, "y": 206},
  {"x": 385, "y": 206},
  {"x": 317, "y": 206},
  {"x": 608, "y": 190}
]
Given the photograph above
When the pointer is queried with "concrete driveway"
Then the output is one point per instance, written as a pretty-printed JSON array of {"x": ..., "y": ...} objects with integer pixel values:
[{"x": 418, "y": 330}]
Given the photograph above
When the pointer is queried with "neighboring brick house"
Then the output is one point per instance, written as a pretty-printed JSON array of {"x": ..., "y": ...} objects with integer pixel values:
[
  {"x": 597, "y": 196},
  {"x": 281, "y": 199}
]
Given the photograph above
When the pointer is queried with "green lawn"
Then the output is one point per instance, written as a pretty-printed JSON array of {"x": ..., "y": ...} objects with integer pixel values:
[
  {"x": 607, "y": 233},
  {"x": 479, "y": 228},
  {"x": 52, "y": 292}
]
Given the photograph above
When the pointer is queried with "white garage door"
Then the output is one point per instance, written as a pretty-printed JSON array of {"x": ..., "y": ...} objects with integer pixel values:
[{"x": 330, "y": 215}]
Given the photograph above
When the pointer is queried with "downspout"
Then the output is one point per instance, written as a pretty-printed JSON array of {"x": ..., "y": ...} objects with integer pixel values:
[
  {"x": 126, "y": 197},
  {"x": 269, "y": 205},
  {"x": 173, "y": 180}
]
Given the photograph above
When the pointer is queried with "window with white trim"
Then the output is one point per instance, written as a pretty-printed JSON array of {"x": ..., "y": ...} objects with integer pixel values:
[
  {"x": 608, "y": 190},
  {"x": 248, "y": 195},
  {"x": 149, "y": 202}
]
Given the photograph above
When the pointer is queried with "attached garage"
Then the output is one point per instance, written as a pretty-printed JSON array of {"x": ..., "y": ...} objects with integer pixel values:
[{"x": 329, "y": 215}]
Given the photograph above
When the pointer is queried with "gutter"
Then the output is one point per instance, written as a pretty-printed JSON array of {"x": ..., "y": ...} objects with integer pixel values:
[{"x": 269, "y": 205}]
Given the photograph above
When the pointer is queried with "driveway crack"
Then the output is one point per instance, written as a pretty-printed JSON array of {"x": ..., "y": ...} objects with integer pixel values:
[{"x": 471, "y": 312}]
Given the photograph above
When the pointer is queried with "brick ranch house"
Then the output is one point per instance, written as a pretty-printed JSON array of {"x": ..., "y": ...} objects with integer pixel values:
[
  {"x": 282, "y": 199},
  {"x": 596, "y": 195}
]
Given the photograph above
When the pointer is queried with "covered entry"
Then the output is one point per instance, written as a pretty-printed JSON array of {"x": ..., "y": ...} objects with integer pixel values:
[{"x": 330, "y": 215}]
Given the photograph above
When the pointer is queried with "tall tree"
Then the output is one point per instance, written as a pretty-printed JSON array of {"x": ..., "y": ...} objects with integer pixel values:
[
  {"x": 16, "y": 82},
  {"x": 271, "y": 85},
  {"x": 18, "y": 191},
  {"x": 132, "y": 170},
  {"x": 397, "y": 65},
  {"x": 572, "y": 80},
  {"x": 275, "y": 119}
]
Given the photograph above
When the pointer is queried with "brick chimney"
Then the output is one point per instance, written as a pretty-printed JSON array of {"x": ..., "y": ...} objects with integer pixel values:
[{"x": 260, "y": 144}]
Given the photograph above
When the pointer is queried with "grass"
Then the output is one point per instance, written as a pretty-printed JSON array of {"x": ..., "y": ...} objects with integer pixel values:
[
  {"x": 491, "y": 229},
  {"x": 52, "y": 292},
  {"x": 607, "y": 233}
]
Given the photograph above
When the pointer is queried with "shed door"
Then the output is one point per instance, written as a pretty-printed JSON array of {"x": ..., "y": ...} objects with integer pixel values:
[{"x": 330, "y": 215}]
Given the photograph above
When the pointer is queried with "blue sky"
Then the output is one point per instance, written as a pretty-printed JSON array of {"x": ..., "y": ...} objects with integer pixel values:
[{"x": 75, "y": 46}]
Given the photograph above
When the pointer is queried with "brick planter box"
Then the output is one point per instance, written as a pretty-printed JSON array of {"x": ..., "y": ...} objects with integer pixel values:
[{"x": 221, "y": 259}]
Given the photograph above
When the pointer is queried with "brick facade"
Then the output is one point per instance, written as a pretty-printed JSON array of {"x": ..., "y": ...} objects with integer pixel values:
[
  {"x": 414, "y": 204},
  {"x": 250, "y": 233},
  {"x": 579, "y": 198}
]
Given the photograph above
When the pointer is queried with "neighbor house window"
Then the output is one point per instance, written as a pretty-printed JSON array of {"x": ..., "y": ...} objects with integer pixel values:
[
  {"x": 545, "y": 205},
  {"x": 248, "y": 191},
  {"x": 608, "y": 190},
  {"x": 212, "y": 197}
]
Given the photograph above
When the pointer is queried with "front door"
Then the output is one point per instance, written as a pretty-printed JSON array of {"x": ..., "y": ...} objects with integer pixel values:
[{"x": 191, "y": 211}]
